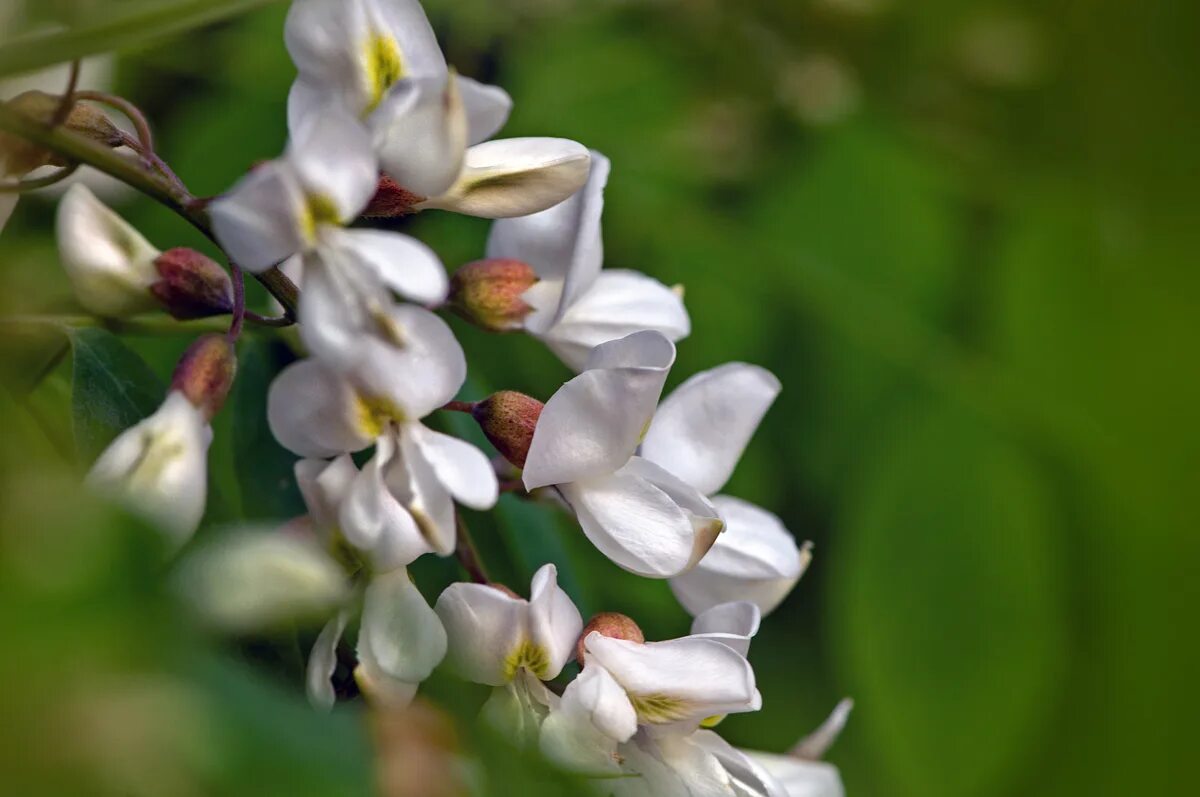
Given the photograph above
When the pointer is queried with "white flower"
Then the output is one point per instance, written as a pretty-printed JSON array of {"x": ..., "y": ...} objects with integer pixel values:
[
  {"x": 578, "y": 306},
  {"x": 159, "y": 466},
  {"x": 698, "y": 434},
  {"x": 637, "y": 514},
  {"x": 379, "y": 59},
  {"x": 400, "y": 642},
  {"x": 513, "y": 644},
  {"x": 299, "y": 204},
  {"x": 401, "y": 505},
  {"x": 110, "y": 264},
  {"x": 800, "y": 773}
]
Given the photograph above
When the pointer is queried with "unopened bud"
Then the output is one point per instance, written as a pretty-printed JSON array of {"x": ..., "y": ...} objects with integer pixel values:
[
  {"x": 508, "y": 419},
  {"x": 22, "y": 157},
  {"x": 391, "y": 200},
  {"x": 205, "y": 373},
  {"x": 609, "y": 624},
  {"x": 192, "y": 285},
  {"x": 488, "y": 293}
]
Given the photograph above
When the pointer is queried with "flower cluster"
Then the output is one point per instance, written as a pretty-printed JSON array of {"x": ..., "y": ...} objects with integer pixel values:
[{"x": 380, "y": 126}]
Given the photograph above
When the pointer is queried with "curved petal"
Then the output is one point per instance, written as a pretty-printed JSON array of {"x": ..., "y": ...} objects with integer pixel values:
[
  {"x": 749, "y": 778},
  {"x": 305, "y": 99},
  {"x": 405, "y": 20},
  {"x": 420, "y": 133},
  {"x": 563, "y": 243},
  {"x": 515, "y": 177},
  {"x": 110, "y": 264},
  {"x": 413, "y": 482},
  {"x": 486, "y": 629},
  {"x": 701, "y": 429},
  {"x": 593, "y": 716},
  {"x": 755, "y": 559},
  {"x": 554, "y": 621},
  {"x": 703, "y": 515},
  {"x": 401, "y": 636},
  {"x": 328, "y": 41},
  {"x": 461, "y": 468},
  {"x": 618, "y": 304},
  {"x": 487, "y": 108},
  {"x": 314, "y": 413},
  {"x": 679, "y": 682},
  {"x": 374, "y": 522},
  {"x": 635, "y": 524},
  {"x": 401, "y": 262},
  {"x": 801, "y": 778},
  {"x": 324, "y": 485},
  {"x": 322, "y": 662},
  {"x": 259, "y": 222},
  {"x": 817, "y": 743},
  {"x": 331, "y": 154},
  {"x": 733, "y": 624},
  {"x": 593, "y": 424}
]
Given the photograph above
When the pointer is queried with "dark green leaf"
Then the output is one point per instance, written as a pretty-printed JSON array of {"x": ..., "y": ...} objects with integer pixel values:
[
  {"x": 113, "y": 389},
  {"x": 263, "y": 467}
]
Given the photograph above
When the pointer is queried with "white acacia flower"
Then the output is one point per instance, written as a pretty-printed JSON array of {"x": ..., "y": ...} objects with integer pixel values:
[
  {"x": 400, "y": 642},
  {"x": 801, "y": 773},
  {"x": 401, "y": 505},
  {"x": 380, "y": 60},
  {"x": 577, "y": 305},
  {"x": 110, "y": 264},
  {"x": 160, "y": 467},
  {"x": 300, "y": 204},
  {"x": 639, "y": 515},
  {"x": 698, "y": 434},
  {"x": 512, "y": 644},
  {"x": 651, "y": 697}
]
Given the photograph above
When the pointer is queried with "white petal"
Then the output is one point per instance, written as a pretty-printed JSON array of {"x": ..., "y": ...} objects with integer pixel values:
[
  {"x": 332, "y": 157},
  {"x": 702, "y": 428},
  {"x": 516, "y": 177},
  {"x": 339, "y": 303},
  {"x": 605, "y": 702},
  {"x": 305, "y": 99},
  {"x": 462, "y": 469},
  {"x": 563, "y": 243},
  {"x": 487, "y": 108},
  {"x": 322, "y": 662},
  {"x": 413, "y": 482},
  {"x": 160, "y": 467},
  {"x": 420, "y": 133},
  {"x": 110, "y": 264},
  {"x": 328, "y": 41},
  {"x": 407, "y": 23},
  {"x": 801, "y": 778},
  {"x": 593, "y": 717},
  {"x": 259, "y": 222},
  {"x": 618, "y": 304},
  {"x": 698, "y": 772},
  {"x": 734, "y": 624},
  {"x": 554, "y": 621},
  {"x": 755, "y": 559},
  {"x": 749, "y": 778},
  {"x": 636, "y": 524},
  {"x": 705, "y": 519},
  {"x": 401, "y": 636},
  {"x": 817, "y": 743},
  {"x": 486, "y": 628},
  {"x": 403, "y": 263},
  {"x": 593, "y": 424},
  {"x": 679, "y": 682},
  {"x": 324, "y": 485},
  {"x": 375, "y": 523},
  {"x": 517, "y": 709},
  {"x": 315, "y": 413}
]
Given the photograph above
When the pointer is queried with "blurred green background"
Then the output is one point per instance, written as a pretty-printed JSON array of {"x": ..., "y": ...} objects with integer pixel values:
[{"x": 962, "y": 234}]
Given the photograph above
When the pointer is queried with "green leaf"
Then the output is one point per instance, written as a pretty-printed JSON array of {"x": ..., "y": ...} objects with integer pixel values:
[
  {"x": 113, "y": 389},
  {"x": 948, "y": 616},
  {"x": 103, "y": 32},
  {"x": 264, "y": 469}
]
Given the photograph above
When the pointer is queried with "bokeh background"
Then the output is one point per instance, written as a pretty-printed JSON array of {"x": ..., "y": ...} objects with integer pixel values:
[{"x": 964, "y": 236}]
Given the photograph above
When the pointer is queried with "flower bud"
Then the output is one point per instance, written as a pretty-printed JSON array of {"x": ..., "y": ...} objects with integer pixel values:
[
  {"x": 22, "y": 157},
  {"x": 391, "y": 200},
  {"x": 110, "y": 264},
  {"x": 488, "y": 293},
  {"x": 205, "y": 373},
  {"x": 609, "y": 624},
  {"x": 192, "y": 285},
  {"x": 508, "y": 419}
]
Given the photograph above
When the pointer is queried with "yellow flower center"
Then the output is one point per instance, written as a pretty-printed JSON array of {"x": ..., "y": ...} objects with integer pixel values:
[
  {"x": 372, "y": 414},
  {"x": 658, "y": 709},
  {"x": 530, "y": 657},
  {"x": 384, "y": 67},
  {"x": 318, "y": 209}
]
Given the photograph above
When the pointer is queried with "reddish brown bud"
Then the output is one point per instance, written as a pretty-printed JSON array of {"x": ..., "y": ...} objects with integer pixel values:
[
  {"x": 610, "y": 624},
  {"x": 206, "y": 371},
  {"x": 192, "y": 285},
  {"x": 22, "y": 157},
  {"x": 391, "y": 200},
  {"x": 488, "y": 293},
  {"x": 508, "y": 419}
]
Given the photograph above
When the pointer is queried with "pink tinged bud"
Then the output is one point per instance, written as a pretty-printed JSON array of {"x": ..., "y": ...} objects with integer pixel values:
[
  {"x": 609, "y": 624},
  {"x": 488, "y": 293},
  {"x": 192, "y": 285},
  {"x": 206, "y": 372},
  {"x": 391, "y": 200},
  {"x": 508, "y": 419}
]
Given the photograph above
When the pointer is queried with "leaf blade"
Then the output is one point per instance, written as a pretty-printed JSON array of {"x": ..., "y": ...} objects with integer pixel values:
[{"x": 112, "y": 389}]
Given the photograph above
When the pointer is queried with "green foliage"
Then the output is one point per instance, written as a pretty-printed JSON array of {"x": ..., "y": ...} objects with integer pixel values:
[{"x": 113, "y": 390}]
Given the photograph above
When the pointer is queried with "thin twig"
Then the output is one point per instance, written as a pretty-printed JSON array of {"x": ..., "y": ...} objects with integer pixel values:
[
  {"x": 67, "y": 104},
  {"x": 270, "y": 321},
  {"x": 459, "y": 406},
  {"x": 467, "y": 554},
  {"x": 21, "y": 186},
  {"x": 239, "y": 302}
]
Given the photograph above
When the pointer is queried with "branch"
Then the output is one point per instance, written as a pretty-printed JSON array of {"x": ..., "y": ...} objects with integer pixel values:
[{"x": 467, "y": 554}]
